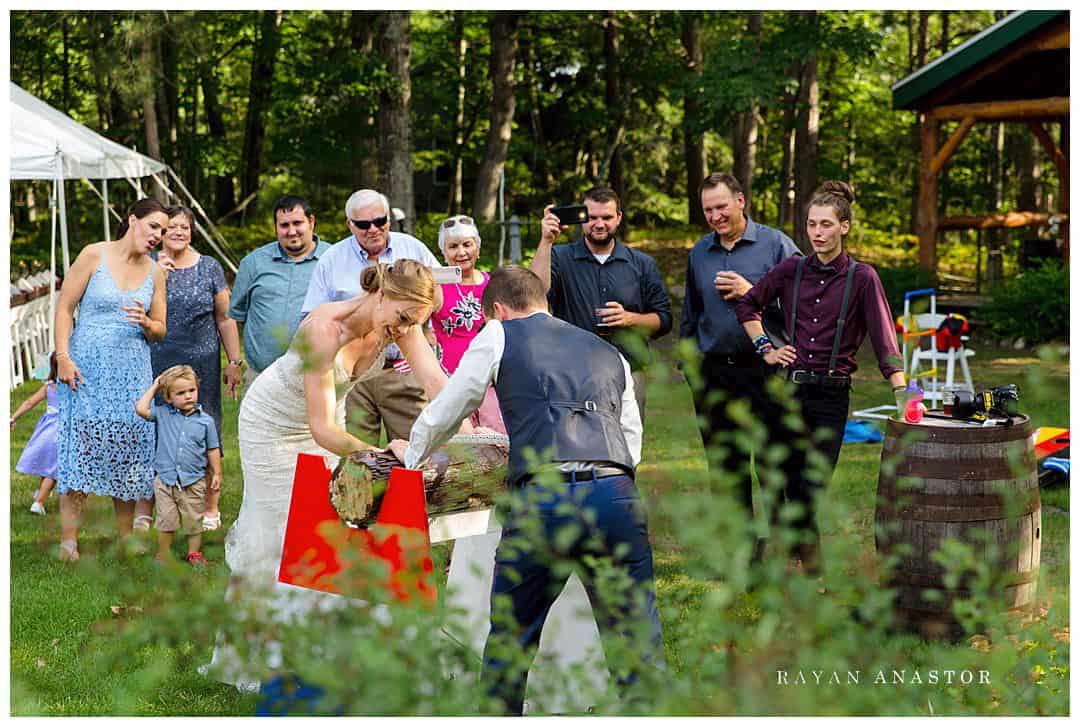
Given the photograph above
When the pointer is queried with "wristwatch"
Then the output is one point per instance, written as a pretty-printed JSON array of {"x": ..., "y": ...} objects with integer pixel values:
[{"x": 237, "y": 362}]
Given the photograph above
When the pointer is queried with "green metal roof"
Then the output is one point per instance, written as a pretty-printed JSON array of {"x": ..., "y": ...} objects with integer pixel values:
[{"x": 909, "y": 91}]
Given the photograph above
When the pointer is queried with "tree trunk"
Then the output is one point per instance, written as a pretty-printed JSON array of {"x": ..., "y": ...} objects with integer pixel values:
[
  {"x": 943, "y": 39},
  {"x": 461, "y": 48},
  {"x": 612, "y": 169},
  {"x": 995, "y": 237},
  {"x": 504, "y": 33},
  {"x": 744, "y": 137},
  {"x": 224, "y": 190},
  {"x": 364, "y": 171},
  {"x": 745, "y": 128},
  {"x": 101, "y": 27},
  {"x": 921, "y": 45},
  {"x": 694, "y": 148},
  {"x": 260, "y": 92},
  {"x": 150, "y": 119},
  {"x": 806, "y": 141},
  {"x": 65, "y": 63},
  {"x": 787, "y": 158},
  {"x": 540, "y": 162},
  {"x": 394, "y": 124},
  {"x": 170, "y": 86}
]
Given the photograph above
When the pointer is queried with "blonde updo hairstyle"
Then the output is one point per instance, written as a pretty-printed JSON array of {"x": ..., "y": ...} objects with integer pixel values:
[
  {"x": 837, "y": 195},
  {"x": 405, "y": 280}
]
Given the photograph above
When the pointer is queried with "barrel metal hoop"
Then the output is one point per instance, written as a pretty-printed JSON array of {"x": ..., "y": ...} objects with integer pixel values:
[
  {"x": 963, "y": 469},
  {"x": 933, "y": 580}
]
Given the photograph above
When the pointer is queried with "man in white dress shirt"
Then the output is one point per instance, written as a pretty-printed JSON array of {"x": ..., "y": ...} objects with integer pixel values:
[
  {"x": 578, "y": 414},
  {"x": 393, "y": 398}
]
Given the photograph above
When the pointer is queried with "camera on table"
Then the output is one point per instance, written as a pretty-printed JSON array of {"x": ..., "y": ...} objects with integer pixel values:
[{"x": 999, "y": 402}]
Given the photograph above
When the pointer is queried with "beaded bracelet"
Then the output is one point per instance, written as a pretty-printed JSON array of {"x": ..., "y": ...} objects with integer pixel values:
[{"x": 762, "y": 345}]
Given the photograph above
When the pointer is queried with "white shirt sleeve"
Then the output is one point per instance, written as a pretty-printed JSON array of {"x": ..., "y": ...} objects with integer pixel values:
[
  {"x": 463, "y": 393},
  {"x": 630, "y": 421}
]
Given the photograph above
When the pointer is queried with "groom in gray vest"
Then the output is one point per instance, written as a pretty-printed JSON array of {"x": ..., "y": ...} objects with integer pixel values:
[{"x": 567, "y": 398}]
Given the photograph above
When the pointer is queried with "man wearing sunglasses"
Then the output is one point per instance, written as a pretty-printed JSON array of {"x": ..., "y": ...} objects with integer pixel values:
[{"x": 392, "y": 399}]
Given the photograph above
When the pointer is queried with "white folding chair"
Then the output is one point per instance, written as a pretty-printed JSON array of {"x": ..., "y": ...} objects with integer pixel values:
[{"x": 18, "y": 368}]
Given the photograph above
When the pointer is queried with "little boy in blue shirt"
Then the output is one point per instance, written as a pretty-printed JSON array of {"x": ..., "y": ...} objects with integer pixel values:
[{"x": 188, "y": 449}]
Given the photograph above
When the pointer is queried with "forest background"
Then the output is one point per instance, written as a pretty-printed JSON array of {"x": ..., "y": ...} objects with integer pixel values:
[{"x": 431, "y": 107}]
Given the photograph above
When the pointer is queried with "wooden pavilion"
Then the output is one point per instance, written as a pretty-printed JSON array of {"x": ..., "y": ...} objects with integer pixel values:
[{"x": 1017, "y": 70}]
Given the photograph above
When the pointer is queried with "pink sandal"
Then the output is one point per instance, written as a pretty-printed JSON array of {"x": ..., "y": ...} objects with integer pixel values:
[{"x": 211, "y": 522}]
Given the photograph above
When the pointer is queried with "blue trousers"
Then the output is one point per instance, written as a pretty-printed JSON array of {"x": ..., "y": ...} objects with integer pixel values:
[{"x": 586, "y": 517}]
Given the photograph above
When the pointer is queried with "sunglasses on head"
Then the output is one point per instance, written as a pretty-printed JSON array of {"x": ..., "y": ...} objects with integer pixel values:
[
  {"x": 455, "y": 220},
  {"x": 364, "y": 224}
]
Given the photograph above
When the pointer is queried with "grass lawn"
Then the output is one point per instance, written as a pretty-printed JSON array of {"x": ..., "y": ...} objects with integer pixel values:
[{"x": 57, "y": 609}]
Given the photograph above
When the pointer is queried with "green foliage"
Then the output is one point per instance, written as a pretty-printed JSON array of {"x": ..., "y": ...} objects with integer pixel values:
[
  {"x": 1033, "y": 305},
  {"x": 730, "y": 628}
]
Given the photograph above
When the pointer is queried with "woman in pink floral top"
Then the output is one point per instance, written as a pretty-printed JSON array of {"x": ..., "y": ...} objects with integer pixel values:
[{"x": 461, "y": 317}]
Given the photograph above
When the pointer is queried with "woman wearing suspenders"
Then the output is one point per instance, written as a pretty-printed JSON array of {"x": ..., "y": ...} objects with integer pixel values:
[{"x": 831, "y": 303}]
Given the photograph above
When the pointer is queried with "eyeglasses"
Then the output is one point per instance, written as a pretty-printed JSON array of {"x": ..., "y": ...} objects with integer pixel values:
[
  {"x": 364, "y": 224},
  {"x": 462, "y": 219}
]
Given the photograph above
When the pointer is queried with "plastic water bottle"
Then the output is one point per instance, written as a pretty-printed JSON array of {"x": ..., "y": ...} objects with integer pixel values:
[{"x": 913, "y": 410}]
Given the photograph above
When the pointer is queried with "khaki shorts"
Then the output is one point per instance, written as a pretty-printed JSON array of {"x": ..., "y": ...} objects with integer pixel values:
[{"x": 180, "y": 504}]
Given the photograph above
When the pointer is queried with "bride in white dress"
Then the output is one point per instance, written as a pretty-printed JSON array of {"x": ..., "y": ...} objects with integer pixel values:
[{"x": 297, "y": 405}]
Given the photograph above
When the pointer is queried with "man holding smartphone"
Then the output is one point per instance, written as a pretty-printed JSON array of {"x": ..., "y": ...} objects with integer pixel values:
[
  {"x": 393, "y": 398},
  {"x": 722, "y": 266},
  {"x": 599, "y": 284}
]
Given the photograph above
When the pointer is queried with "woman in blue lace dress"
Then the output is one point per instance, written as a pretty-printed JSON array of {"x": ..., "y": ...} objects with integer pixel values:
[
  {"x": 198, "y": 325},
  {"x": 103, "y": 447}
]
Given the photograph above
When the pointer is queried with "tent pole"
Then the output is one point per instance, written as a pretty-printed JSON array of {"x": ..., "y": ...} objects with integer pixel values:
[
  {"x": 105, "y": 211},
  {"x": 52, "y": 269},
  {"x": 63, "y": 217},
  {"x": 94, "y": 189}
]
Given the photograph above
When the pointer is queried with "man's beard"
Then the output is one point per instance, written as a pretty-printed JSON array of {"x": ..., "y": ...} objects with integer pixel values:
[{"x": 608, "y": 239}]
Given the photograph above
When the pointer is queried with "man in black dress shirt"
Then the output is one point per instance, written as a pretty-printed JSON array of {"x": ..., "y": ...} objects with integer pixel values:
[{"x": 601, "y": 285}]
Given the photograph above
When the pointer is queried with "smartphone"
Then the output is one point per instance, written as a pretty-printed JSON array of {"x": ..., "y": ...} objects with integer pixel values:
[
  {"x": 571, "y": 214},
  {"x": 449, "y": 274}
]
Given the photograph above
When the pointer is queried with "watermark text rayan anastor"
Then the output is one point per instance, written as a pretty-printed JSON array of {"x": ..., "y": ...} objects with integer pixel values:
[{"x": 881, "y": 677}]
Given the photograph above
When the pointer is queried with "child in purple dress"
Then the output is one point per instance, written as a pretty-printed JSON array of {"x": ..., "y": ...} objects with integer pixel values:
[{"x": 39, "y": 457}]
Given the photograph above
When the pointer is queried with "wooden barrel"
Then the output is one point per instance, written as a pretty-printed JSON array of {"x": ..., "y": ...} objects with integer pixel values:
[{"x": 948, "y": 479}]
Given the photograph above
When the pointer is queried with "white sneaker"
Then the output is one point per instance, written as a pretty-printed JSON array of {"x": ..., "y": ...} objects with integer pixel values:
[
  {"x": 142, "y": 523},
  {"x": 37, "y": 508}
]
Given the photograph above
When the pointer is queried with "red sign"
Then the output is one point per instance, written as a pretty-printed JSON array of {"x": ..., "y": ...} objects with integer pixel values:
[{"x": 323, "y": 553}]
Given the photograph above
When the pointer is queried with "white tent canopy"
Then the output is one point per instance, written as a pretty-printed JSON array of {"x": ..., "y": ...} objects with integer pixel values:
[{"x": 46, "y": 144}]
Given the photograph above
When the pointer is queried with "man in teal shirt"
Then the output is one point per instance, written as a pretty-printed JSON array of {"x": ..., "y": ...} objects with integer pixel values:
[{"x": 271, "y": 284}]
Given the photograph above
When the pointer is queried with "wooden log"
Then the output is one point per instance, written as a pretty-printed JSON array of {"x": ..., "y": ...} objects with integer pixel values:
[
  {"x": 466, "y": 474},
  {"x": 1063, "y": 184},
  {"x": 1036, "y": 108},
  {"x": 928, "y": 196},
  {"x": 950, "y": 146},
  {"x": 1047, "y": 142},
  {"x": 1009, "y": 219}
]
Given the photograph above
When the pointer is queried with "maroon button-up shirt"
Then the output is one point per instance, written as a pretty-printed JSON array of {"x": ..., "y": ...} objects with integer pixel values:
[{"x": 820, "y": 295}]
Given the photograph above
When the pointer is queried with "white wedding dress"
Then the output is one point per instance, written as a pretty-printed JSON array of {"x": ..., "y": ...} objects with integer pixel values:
[{"x": 273, "y": 429}]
